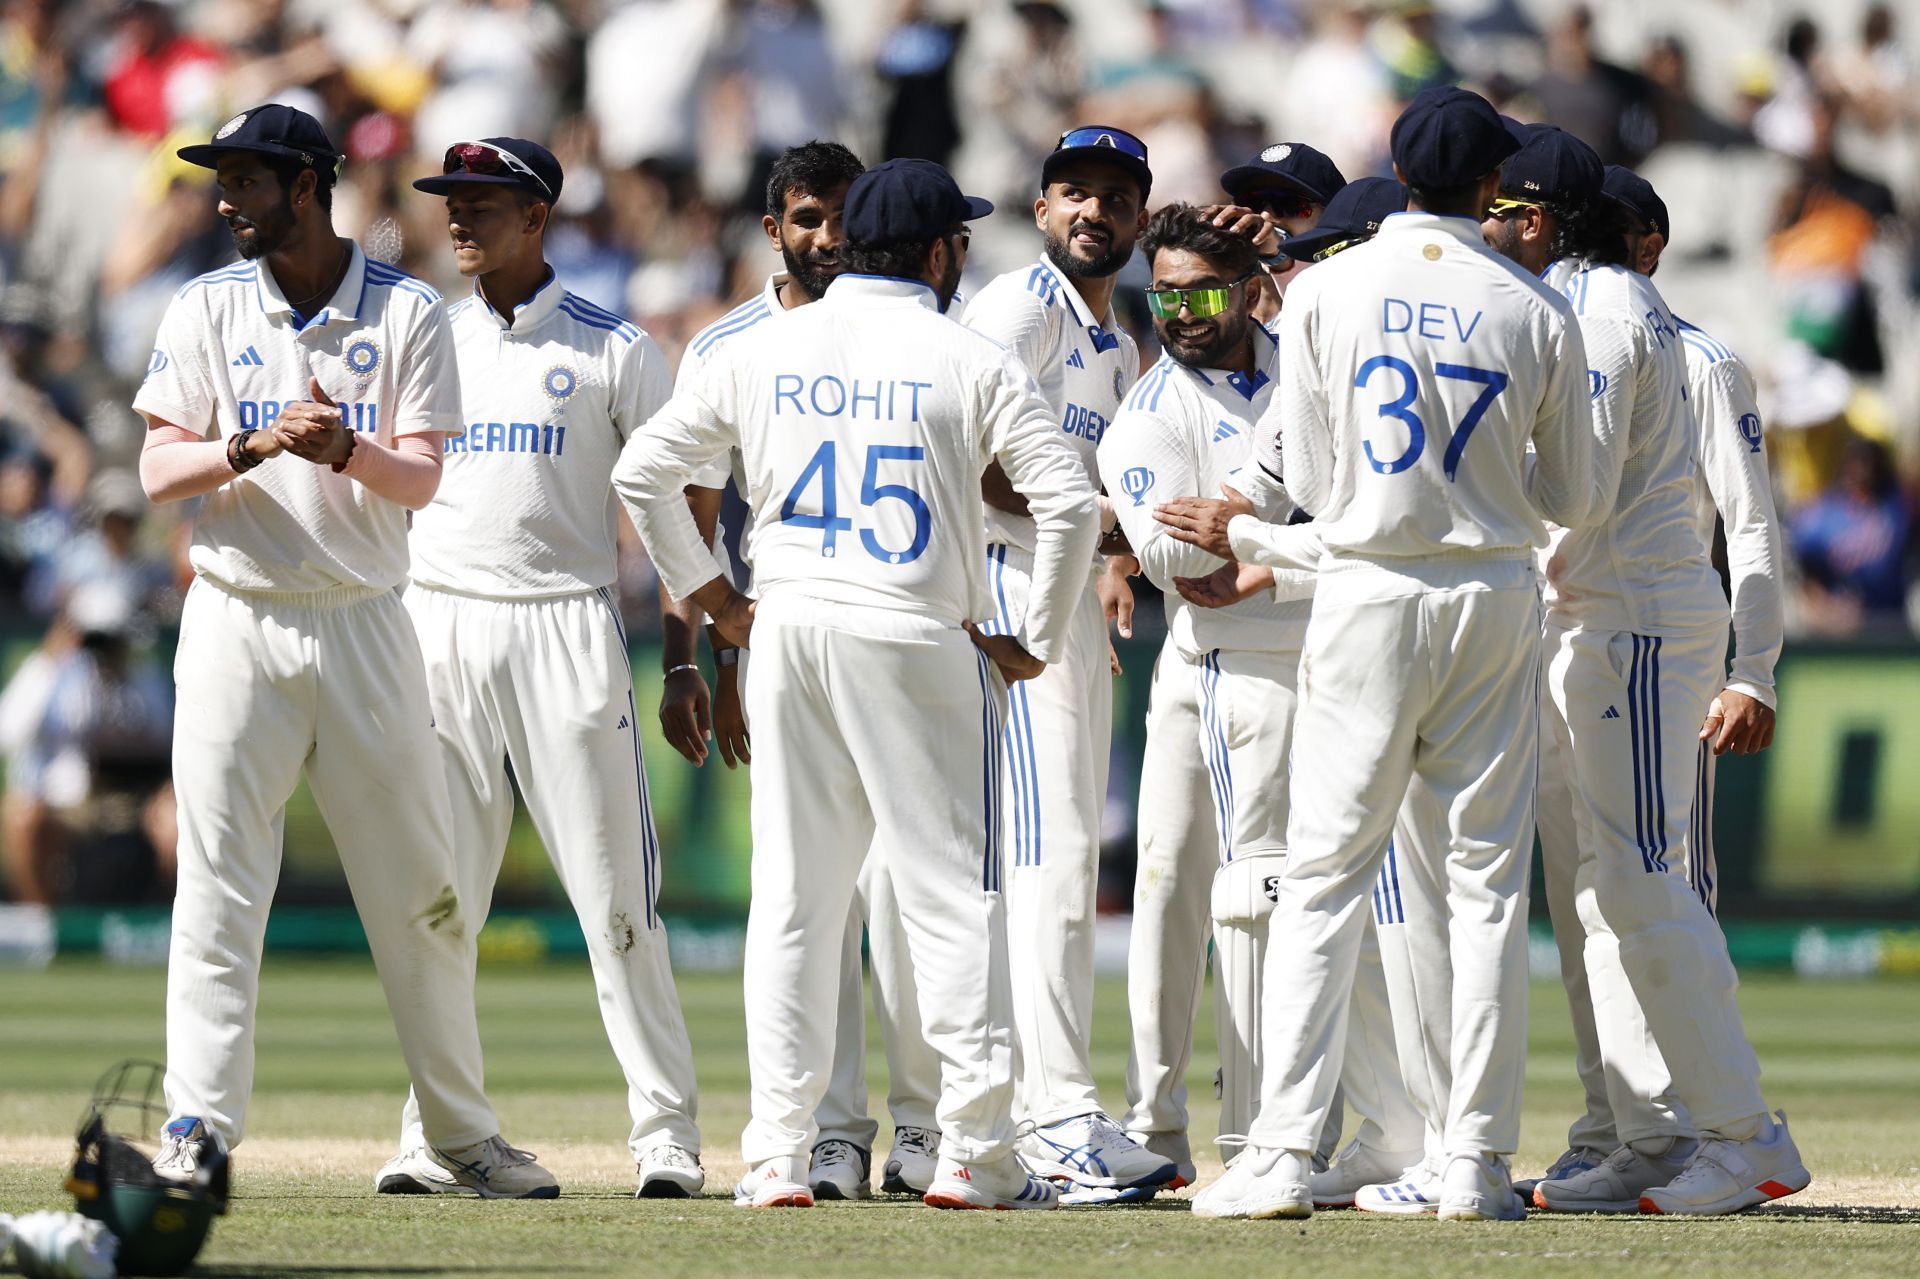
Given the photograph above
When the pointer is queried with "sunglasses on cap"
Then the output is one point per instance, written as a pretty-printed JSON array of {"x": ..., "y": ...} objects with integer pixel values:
[
  {"x": 1166, "y": 304},
  {"x": 1281, "y": 204},
  {"x": 1099, "y": 136},
  {"x": 490, "y": 161}
]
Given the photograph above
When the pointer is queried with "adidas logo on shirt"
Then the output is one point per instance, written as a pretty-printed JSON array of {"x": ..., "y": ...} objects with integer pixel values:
[
  {"x": 1611, "y": 714},
  {"x": 249, "y": 357},
  {"x": 1224, "y": 430},
  {"x": 1074, "y": 361}
]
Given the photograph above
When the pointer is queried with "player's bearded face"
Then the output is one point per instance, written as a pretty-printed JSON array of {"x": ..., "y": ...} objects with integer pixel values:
[
  {"x": 811, "y": 242},
  {"x": 1090, "y": 218},
  {"x": 258, "y": 209},
  {"x": 1202, "y": 341}
]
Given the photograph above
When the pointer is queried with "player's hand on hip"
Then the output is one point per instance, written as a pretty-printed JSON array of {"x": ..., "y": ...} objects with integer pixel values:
[
  {"x": 1228, "y": 584},
  {"x": 729, "y": 611},
  {"x": 686, "y": 715},
  {"x": 730, "y": 719},
  {"x": 1006, "y": 652},
  {"x": 1738, "y": 724},
  {"x": 313, "y": 429},
  {"x": 1202, "y": 521}
]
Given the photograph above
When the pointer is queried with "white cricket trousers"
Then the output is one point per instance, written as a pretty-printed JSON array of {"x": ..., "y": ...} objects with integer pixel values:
[
  {"x": 874, "y": 729},
  {"x": 330, "y": 683},
  {"x": 1058, "y": 735},
  {"x": 1424, "y": 669},
  {"x": 539, "y": 693},
  {"x": 1639, "y": 946}
]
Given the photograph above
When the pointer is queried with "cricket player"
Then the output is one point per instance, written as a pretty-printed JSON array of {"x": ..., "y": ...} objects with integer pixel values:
[
  {"x": 1289, "y": 185},
  {"x": 1635, "y": 649},
  {"x": 527, "y": 668},
  {"x": 328, "y": 381},
  {"x": 1056, "y": 317},
  {"x": 1392, "y": 1090},
  {"x": 864, "y": 424},
  {"x": 1419, "y": 366}
]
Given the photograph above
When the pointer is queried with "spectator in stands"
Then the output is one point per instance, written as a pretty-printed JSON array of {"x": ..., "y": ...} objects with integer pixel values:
[
  {"x": 158, "y": 76},
  {"x": 1785, "y": 122},
  {"x": 1679, "y": 116},
  {"x": 915, "y": 64},
  {"x": 107, "y": 551},
  {"x": 1609, "y": 107},
  {"x": 1855, "y": 545}
]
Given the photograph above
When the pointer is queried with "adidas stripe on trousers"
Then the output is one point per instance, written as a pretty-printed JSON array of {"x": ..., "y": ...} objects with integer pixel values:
[{"x": 1660, "y": 1044}]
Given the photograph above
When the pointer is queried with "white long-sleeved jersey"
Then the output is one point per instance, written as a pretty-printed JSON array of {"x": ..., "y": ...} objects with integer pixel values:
[
  {"x": 1419, "y": 367},
  {"x": 864, "y": 422},
  {"x": 1183, "y": 432},
  {"x": 1732, "y": 482},
  {"x": 1638, "y": 563},
  {"x": 524, "y": 506},
  {"x": 1083, "y": 364},
  {"x": 709, "y": 340}
]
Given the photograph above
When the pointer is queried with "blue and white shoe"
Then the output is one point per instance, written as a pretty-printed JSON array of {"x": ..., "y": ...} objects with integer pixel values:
[
  {"x": 1354, "y": 1167},
  {"x": 1415, "y": 1194},
  {"x": 1073, "y": 1196},
  {"x": 183, "y": 1142},
  {"x": 1576, "y": 1160},
  {"x": 1174, "y": 1146},
  {"x": 1001, "y": 1184},
  {"x": 1091, "y": 1151}
]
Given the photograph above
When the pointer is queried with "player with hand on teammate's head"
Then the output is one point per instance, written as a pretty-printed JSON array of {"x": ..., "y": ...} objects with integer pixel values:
[
  {"x": 863, "y": 424},
  {"x": 1056, "y": 316},
  {"x": 328, "y": 381},
  {"x": 513, "y": 575},
  {"x": 1279, "y": 194},
  {"x": 1434, "y": 410},
  {"x": 806, "y": 193},
  {"x": 1635, "y": 654}
]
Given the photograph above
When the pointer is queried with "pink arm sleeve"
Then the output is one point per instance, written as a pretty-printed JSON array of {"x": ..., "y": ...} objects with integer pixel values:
[
  {"x": 407, "y": 473},
  {"x": 176, "y": 463}
]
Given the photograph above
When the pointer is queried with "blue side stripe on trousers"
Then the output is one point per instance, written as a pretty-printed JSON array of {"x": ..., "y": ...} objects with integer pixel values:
[
  {"x": 1214, "y": 749},
  {"x": 990, "y": 755},
  {"x": 650, "y": 852},
  {"x": 1659, "y": 760}
]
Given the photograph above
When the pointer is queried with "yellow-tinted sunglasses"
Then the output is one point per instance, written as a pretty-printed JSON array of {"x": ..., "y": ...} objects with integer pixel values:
[{"x": 1166, "y": 304}]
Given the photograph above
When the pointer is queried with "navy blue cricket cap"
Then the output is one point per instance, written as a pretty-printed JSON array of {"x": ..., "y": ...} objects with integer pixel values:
[
  {"x": 906, "y": 200},
  {"x": 1448, "y": 137},
  {"x": 1637, "y": 196},
  {"x": 1290, "y": 166},
  {"x": 1554, "y": 167},
  {"x": 501, "y": 162},
  {"x": 273, "y": 129},
  {"x": 1354, "y": 213},
  {"x": 1106, "y": 144}
]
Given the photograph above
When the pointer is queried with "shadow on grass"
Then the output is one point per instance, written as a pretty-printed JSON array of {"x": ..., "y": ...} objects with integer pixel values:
[
  {"x": 1842, "y": 1212},
  {"x": 254, "y": 1270}
]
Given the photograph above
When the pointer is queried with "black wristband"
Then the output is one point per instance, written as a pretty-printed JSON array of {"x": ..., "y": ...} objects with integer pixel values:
[
  {"x": 725, "y": 657},
  {"x": 353, "y": 442},
  {"x": 237, "y": 455}
]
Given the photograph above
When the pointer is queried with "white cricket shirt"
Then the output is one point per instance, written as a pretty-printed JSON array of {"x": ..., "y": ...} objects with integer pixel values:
[
  {"x": 1638, "y": 564},
  {"x": 1083, "y": 363},
  {"x": 1420, "y": 366},
  {"x": 1183, "y": 432},
  {"x": 1732, "y": 481},
  {"x": 230, "y": 356},
  {"x": 525, "y": 506},
  {"x": 709, "y": 340},
  {"x": 864, "y": 422}
]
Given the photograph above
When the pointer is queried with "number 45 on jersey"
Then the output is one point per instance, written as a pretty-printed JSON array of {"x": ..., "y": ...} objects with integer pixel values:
[{"x": 828, "y": 518}]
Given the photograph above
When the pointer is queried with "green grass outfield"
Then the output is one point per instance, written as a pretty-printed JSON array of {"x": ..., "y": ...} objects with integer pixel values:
[{"x": 1842, "y": 1058}]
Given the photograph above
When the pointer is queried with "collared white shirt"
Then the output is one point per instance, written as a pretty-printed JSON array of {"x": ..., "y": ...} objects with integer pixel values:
[
  {"x": 709, "y": 340},
  {"x": 1638, "y": 564},
  {"x": 1082, "y": 362},
  {"x": 525, "y": 505},
  {"x": 864, "y": 422},
  {"x": 1420, "y": 365},
  {"x": 231, "y": 355},
  {"x": 1183, "y": 432},
  {"x": 1732, "y": 482}
]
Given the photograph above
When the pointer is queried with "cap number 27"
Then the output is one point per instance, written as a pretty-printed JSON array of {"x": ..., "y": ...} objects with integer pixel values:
[{"x": 1491, "y": 381}]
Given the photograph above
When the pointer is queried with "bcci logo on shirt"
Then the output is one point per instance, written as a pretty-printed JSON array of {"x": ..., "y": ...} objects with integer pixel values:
[
  {"x": 560, "y": 382},
  {"x": 1136, "y": 481},
  {"x": 362, "y": 358},
  {"x": 1119, "y": 385}
]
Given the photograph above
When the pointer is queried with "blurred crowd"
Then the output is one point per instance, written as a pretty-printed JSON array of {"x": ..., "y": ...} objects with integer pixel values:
[{"x": 1786, "y": 143}]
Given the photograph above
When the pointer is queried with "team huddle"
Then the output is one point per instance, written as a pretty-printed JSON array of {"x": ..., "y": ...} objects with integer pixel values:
[{"x": 1427, "y": 474}]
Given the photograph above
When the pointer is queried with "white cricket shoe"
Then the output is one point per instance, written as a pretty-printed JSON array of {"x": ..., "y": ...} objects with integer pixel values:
[
  {"x": 1354, "y": 1167},
  {"x": 1479, "y": 1188},
  {"x": 1174, "y": 1147},
  {"x": 1002, "y": 1183},
  {"x": 181, "y": 1143},
  {"x": 1577, "y": 1159},
  {"x": 1728, "y": 1176},
  {"x": 1616, "y": 1183},
  {"x": 1263, "y": 1182},
  {"x": 1415, "y": 1193},
  {"x": 667, "y": 1171},
  {"x": 779, "y": 1182},
  {"x": 841, "y": 1170},
  {"x": 492, "y": 1169},
  {"x": 913, "y": 1162},
  {"x": 1091, "y": 1150}
]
